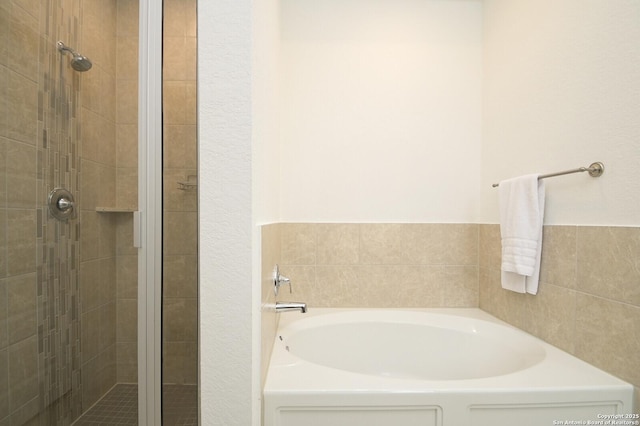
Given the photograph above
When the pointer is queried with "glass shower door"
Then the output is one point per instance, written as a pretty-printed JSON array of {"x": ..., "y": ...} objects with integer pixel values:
[
  {"x": 68, "y": 173},
  {"x": 76, "y": 310},
  {"x": 179, "y": 281}
]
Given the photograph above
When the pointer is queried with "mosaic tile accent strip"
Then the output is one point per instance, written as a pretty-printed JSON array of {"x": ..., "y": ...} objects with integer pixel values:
[{"x": 58, "y": 292}]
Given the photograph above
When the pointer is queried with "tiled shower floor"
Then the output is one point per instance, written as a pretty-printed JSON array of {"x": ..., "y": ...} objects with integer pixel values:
[{"x": 120, "y": 407}]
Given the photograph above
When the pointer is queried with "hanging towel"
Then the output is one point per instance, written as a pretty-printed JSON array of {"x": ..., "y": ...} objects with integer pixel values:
[{"x": 521, "y": 217}]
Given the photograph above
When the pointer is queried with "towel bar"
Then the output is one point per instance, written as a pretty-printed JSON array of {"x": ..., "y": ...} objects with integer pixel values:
[{"x": 595, "y": 170}]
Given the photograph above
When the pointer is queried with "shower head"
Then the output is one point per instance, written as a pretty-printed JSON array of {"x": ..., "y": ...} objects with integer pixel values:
[{"x": 78, "y": 62}]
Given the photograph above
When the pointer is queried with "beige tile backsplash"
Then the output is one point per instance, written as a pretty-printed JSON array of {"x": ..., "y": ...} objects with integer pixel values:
[
  {"x": 588, "y": 303},
  {"x": 382, "y": 265},
  {"x": 609, "y": 263}
]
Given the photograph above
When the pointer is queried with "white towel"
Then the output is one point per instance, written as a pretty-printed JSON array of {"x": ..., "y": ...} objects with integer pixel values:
[{"x": 521, "y": 217}]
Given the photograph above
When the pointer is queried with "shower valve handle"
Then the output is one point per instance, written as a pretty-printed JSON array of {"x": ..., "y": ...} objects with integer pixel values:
[
  {"x": 279, "y": 280},
  {"x": 64, "y": 204}
]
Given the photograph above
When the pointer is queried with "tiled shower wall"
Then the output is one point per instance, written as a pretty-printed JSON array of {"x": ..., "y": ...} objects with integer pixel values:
[
  {"x": 588, "y": 303},
  {"x": 47, "y": 123},
  {"x": 98, "y": 178},
  {"x": 180, "y": 290},
  {"x": 24, "y": 279},
  {"x": 39, "y": 302},
  {"x": 58, "y": 280},
  {"x": 126, "y": 189},
  {"x": 59, "y": 127},
  {"x": 110, "y": 274}
]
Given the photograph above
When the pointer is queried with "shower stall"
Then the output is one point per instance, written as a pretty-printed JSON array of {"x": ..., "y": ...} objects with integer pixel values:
[{"x": 98, "y": 234}]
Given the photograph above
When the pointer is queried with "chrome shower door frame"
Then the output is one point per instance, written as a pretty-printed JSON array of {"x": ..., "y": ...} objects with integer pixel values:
[{"x": 148, "y": 218}]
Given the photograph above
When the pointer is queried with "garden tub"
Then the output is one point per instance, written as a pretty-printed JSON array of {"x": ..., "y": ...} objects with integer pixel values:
[{"x": 453, "y": 367}]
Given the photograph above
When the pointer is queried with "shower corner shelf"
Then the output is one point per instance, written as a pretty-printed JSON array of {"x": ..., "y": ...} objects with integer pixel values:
[{"x": 115, "y": 209}]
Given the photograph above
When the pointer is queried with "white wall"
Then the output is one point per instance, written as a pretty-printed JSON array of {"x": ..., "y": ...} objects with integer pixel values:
[
  {"x": 381, "y": 110},
  {"x": 266, "y": 170},
  {"x": 238, "y": 163},
  {"x": 226, "y": 246},
  {"x": 265, "y": 116},
  {"x": 562, "y": 90}
]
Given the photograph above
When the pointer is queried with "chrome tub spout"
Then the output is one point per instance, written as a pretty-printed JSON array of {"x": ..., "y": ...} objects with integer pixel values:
[{"x": 291, "y": 306}]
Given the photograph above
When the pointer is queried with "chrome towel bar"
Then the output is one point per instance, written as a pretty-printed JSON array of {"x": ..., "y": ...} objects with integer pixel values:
[{"x": 595, "y": 170}]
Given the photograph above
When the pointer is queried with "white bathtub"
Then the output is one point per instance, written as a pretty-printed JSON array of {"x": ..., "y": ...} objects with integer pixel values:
[{"x": 453, "y": 367}]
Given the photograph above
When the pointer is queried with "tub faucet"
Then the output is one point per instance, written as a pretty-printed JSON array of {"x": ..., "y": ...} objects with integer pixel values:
[{"x": 291, "y": 306}]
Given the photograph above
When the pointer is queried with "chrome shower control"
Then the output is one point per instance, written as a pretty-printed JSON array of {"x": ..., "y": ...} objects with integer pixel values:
[
  {"x": 61, "y": 204},
  {"x": 64, "y": 204},
  {"x": 279, "y": 280}
]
